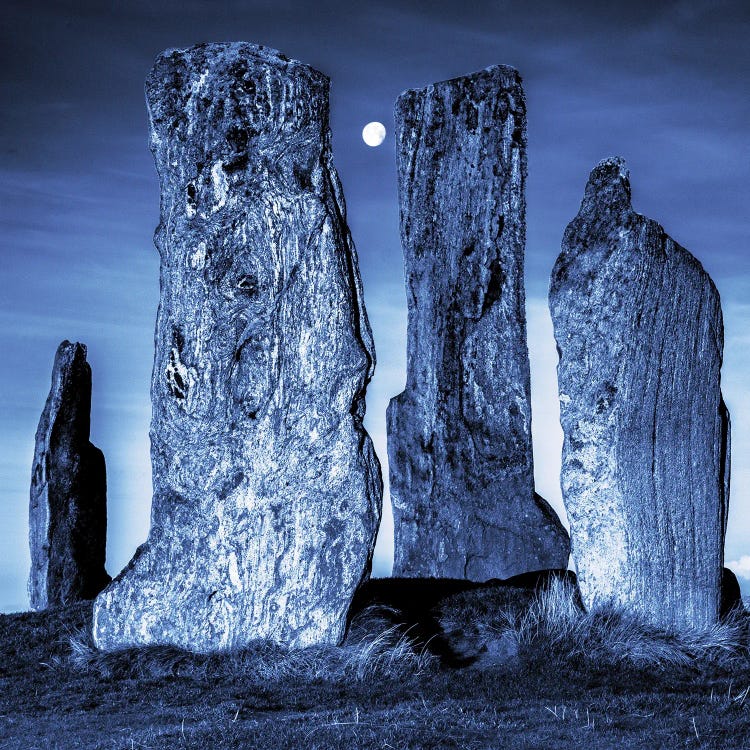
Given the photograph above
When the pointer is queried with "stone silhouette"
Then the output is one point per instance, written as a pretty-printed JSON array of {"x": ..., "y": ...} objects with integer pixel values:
[
  {"x": 645, "y": 472},
  {"x": 68, "y": 503},
  {"x": 459, "y": 436},
  {"x": 731, "y": 594},
  {"x": 267, "y": 490}
]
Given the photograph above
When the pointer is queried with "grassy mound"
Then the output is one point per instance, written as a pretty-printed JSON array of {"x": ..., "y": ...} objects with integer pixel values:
[
  {"x": 374, "y": 648},
  {"x": 536, "y": 671},
  {"x": 555, "y": 624}
]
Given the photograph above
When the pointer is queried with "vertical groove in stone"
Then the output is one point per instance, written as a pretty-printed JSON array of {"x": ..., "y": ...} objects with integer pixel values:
[
  {"x": 68, "y": 498},
  {"x": 459, "y": 436},
  {"x": 645, "y": 472},
  {"x": 266, "y": 488}
]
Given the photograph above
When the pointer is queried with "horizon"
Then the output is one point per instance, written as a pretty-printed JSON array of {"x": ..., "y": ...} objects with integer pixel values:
[{"x": 80, "y": 197}]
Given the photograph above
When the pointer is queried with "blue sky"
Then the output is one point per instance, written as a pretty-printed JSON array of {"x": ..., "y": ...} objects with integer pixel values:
[{"x": 662, "y": 84}]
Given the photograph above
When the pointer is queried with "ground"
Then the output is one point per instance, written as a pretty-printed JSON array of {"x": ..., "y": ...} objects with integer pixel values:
[{"x": 383, "y": 689}]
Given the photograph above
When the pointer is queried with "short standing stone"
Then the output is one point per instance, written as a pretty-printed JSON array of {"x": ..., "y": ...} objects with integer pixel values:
[
  {"x": 68, "y": 503},
  {"x": 645, "y": 472},
  {"x": 459, "y": 436},
  {"x": 267, "y": 490}
]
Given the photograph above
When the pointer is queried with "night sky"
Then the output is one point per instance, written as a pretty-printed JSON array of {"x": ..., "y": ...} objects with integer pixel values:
[{"x": 665, "y": 85}]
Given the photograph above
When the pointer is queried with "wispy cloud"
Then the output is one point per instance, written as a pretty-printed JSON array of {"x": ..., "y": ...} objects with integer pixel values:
[{"x": 741, "y": 567}]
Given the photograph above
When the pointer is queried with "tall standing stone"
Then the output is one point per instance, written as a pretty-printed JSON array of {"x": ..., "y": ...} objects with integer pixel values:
[
  {"x": 267, "y": 490},
  {"x": 68, "y": 499},
  {"x": 645, "y": 473},
  {"x": 459, "y": 436}
]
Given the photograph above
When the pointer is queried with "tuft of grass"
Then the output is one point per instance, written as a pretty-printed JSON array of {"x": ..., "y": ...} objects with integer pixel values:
[
  {"x": 556, "y": 623},
  {"x": 374, "y": 648}
]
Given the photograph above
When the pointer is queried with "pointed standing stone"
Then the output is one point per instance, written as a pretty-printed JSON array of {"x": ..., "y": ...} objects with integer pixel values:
[
  {"x": 459, "y": 436},
  {"x": 68, "y": 499},
  {"x": 645, "y": 473},
  {"x": 267, "y": 490}
]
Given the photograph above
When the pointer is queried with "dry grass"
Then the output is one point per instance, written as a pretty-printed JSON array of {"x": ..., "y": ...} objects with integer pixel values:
[
  {"x": 556, "y": 623},
  {"x": 374, "y": 648},
  {"x": 553, "y": 625},
  {"x": 580, "y": 680}
]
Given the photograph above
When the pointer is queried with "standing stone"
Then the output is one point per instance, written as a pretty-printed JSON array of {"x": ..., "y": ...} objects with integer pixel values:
[
  {"x": 459, "y": 436},
  {"x": 68, "y": 504},
  {"x": 645, "y": 472},
  {"x": 267, "y": 489}
]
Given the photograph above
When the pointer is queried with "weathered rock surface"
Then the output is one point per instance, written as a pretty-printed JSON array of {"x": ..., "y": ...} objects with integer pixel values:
[
  {"x": 68, "y": 503},
  {"x": 267, "y": 490},
  {"x": 459, "y": 436},
  {"x": 645, "y": 473}
]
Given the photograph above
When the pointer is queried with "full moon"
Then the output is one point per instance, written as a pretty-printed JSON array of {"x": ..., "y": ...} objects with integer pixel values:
[{"x": 373, "y": 133}]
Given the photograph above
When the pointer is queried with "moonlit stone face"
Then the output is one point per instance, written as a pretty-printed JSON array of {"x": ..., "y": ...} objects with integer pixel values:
[
  {"x": 459, "y": 436},
  {"x": 645, "y": 465},
  {"x": 266, "y": 486}
]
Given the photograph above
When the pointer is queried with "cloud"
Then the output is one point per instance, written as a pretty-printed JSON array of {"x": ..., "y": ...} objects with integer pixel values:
[{"x": 741, "y": 567}]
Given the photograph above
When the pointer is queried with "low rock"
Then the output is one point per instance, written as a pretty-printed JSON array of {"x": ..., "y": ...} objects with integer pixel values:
[
  {"x": 731, "y": 594},
  {"x": 464, "y": 623}
]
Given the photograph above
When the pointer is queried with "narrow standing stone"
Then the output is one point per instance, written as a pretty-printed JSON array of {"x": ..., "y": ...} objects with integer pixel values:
[
  {"x": 459, "y": 436},
  {"x": 68, "y": 503},
  {"x": 645, "y": 473},
  {"x": 267, "y": 490}
]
